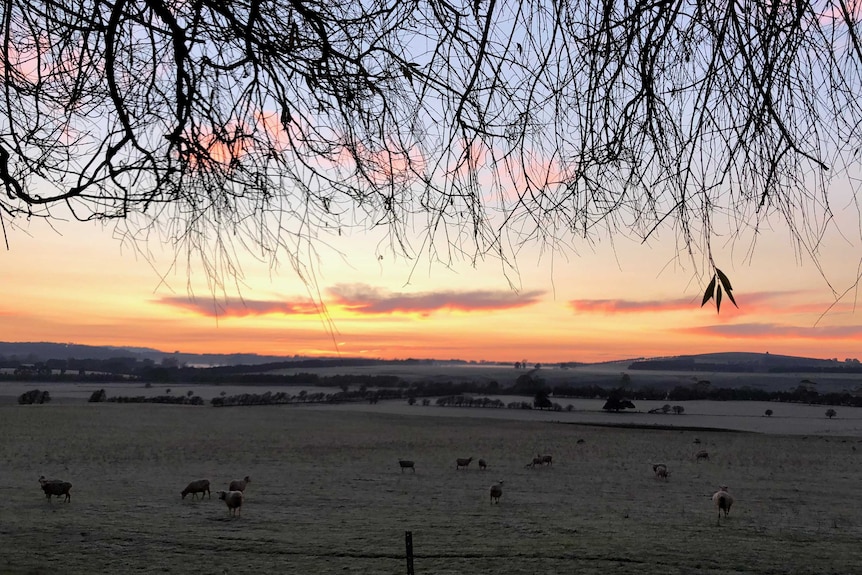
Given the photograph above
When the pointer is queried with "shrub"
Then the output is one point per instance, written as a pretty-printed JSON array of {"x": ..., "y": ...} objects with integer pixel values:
[{"x": 34, "y": 396}]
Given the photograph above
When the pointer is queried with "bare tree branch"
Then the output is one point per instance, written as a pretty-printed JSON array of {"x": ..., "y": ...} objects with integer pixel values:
[{"x": 486, "y": 123}]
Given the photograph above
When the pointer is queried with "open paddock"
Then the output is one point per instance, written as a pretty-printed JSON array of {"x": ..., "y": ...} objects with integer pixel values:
[{"x": 328, "y": 495}]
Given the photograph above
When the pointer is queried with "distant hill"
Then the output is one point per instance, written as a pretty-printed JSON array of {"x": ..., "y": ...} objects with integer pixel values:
[
  {"x": 745, "y": 362},
  {"x": 730, "y": 362},
  {"x": 34, "y": 352}
]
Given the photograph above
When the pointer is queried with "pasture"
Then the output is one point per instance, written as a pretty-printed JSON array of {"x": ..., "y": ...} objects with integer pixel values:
[{"x": 328, "y": 496}]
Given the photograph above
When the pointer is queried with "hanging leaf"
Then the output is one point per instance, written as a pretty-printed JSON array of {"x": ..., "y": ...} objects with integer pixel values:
[
  {"x": 717, "y": 288},
  {"x": 724, "y": 280},
  {"x": 733, "y": 301},
  {"x": 727, "y": 287},
  {"x": 707, "y": 295}
]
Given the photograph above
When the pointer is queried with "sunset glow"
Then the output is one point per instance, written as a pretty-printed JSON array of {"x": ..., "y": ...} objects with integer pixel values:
[{"x": 81, "y": 285}]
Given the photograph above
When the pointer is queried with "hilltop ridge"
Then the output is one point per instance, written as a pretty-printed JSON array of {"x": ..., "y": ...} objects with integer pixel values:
[{"x": 744, "y": 362}]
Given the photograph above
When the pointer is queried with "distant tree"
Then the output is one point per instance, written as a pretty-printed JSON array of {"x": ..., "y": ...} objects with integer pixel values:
[
  {"x": 527, "y": 384},
  {"x": 411, "y": 401},
  {"x": 830, "y": 413},
  {"x": 665, "y": 408},
  {"x": 518, "y": 365},
  {"x": 678, "y": 409},
  {"x": 541, "y": 400},
  {"x": 768, "y": 413},
  {"x": 34, "y": 396},
  {"x": 625, "y": 379},
  {"x": 98, "y": 396},
  {"x": 617, "y": 402},
  {"x": 190, "y": 393}
]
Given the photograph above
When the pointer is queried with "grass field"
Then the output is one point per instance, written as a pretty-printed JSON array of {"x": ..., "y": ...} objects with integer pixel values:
[{"x": 327, "y": 495}]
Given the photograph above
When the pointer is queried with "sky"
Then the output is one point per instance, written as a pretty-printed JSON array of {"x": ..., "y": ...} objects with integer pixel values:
[
  {"x": 612, "y": 299},
  {"x": 79, "y": 283}
]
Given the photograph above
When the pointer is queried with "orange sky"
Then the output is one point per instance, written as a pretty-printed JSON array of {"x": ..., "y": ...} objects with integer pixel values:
[{"x": 80, "y": 285}]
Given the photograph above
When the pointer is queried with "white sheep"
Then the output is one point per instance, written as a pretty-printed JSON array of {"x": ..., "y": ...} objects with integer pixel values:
[
  {"x": 233, "y": 499},
  {"x": 496, "y": 491},
  {"x": 56, "y": 487},
  {"x": 239, "y": 484},
  {"x": 723, "y": 501},
  {"x": 201, "y": 486}
]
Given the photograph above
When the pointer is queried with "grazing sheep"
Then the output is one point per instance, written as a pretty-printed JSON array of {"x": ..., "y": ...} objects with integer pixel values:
[
  {"x": 407, "y": 464},
  {"x": 233, "y": 499},
  {"x": 239, "y": 484},
  {"x": 660, "y": 470},
  {"x": 483, "y": 464},
  {"x": 536, "y": 461},
  {"x": 547, "y": 459},
  {"x": 496, "y": 491},
  {"x": 701, "y": 455},
  {"x": 460, "y": 462},
  {"x": 201, "y": 486},
  {"x": 723, "y": 501},
  {"x": 56, "y": 487}
]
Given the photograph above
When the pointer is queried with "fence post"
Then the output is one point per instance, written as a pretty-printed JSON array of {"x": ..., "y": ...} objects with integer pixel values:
[{"x": 408, "y": 540}]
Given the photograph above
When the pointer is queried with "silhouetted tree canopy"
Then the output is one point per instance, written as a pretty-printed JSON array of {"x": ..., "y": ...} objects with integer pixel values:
[
  {"x": 617, "y": 401},
  {"x": 484, "y": 125},
  {"x": 541, "y": 400}
]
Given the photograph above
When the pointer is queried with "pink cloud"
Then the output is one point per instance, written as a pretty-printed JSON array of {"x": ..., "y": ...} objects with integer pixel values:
[
  {"x": 363, "y": 299},
  {"x": 749, "y": 303},
  {"x": 242, "y": 308},
  {"x": 619, "y": 306},
  {"x": 833, "y": 12},
  {"x": 360, "y": 298}
]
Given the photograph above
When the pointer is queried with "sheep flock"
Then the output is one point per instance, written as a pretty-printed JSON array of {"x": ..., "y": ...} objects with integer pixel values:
[{"x": 234, "y": 495}]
